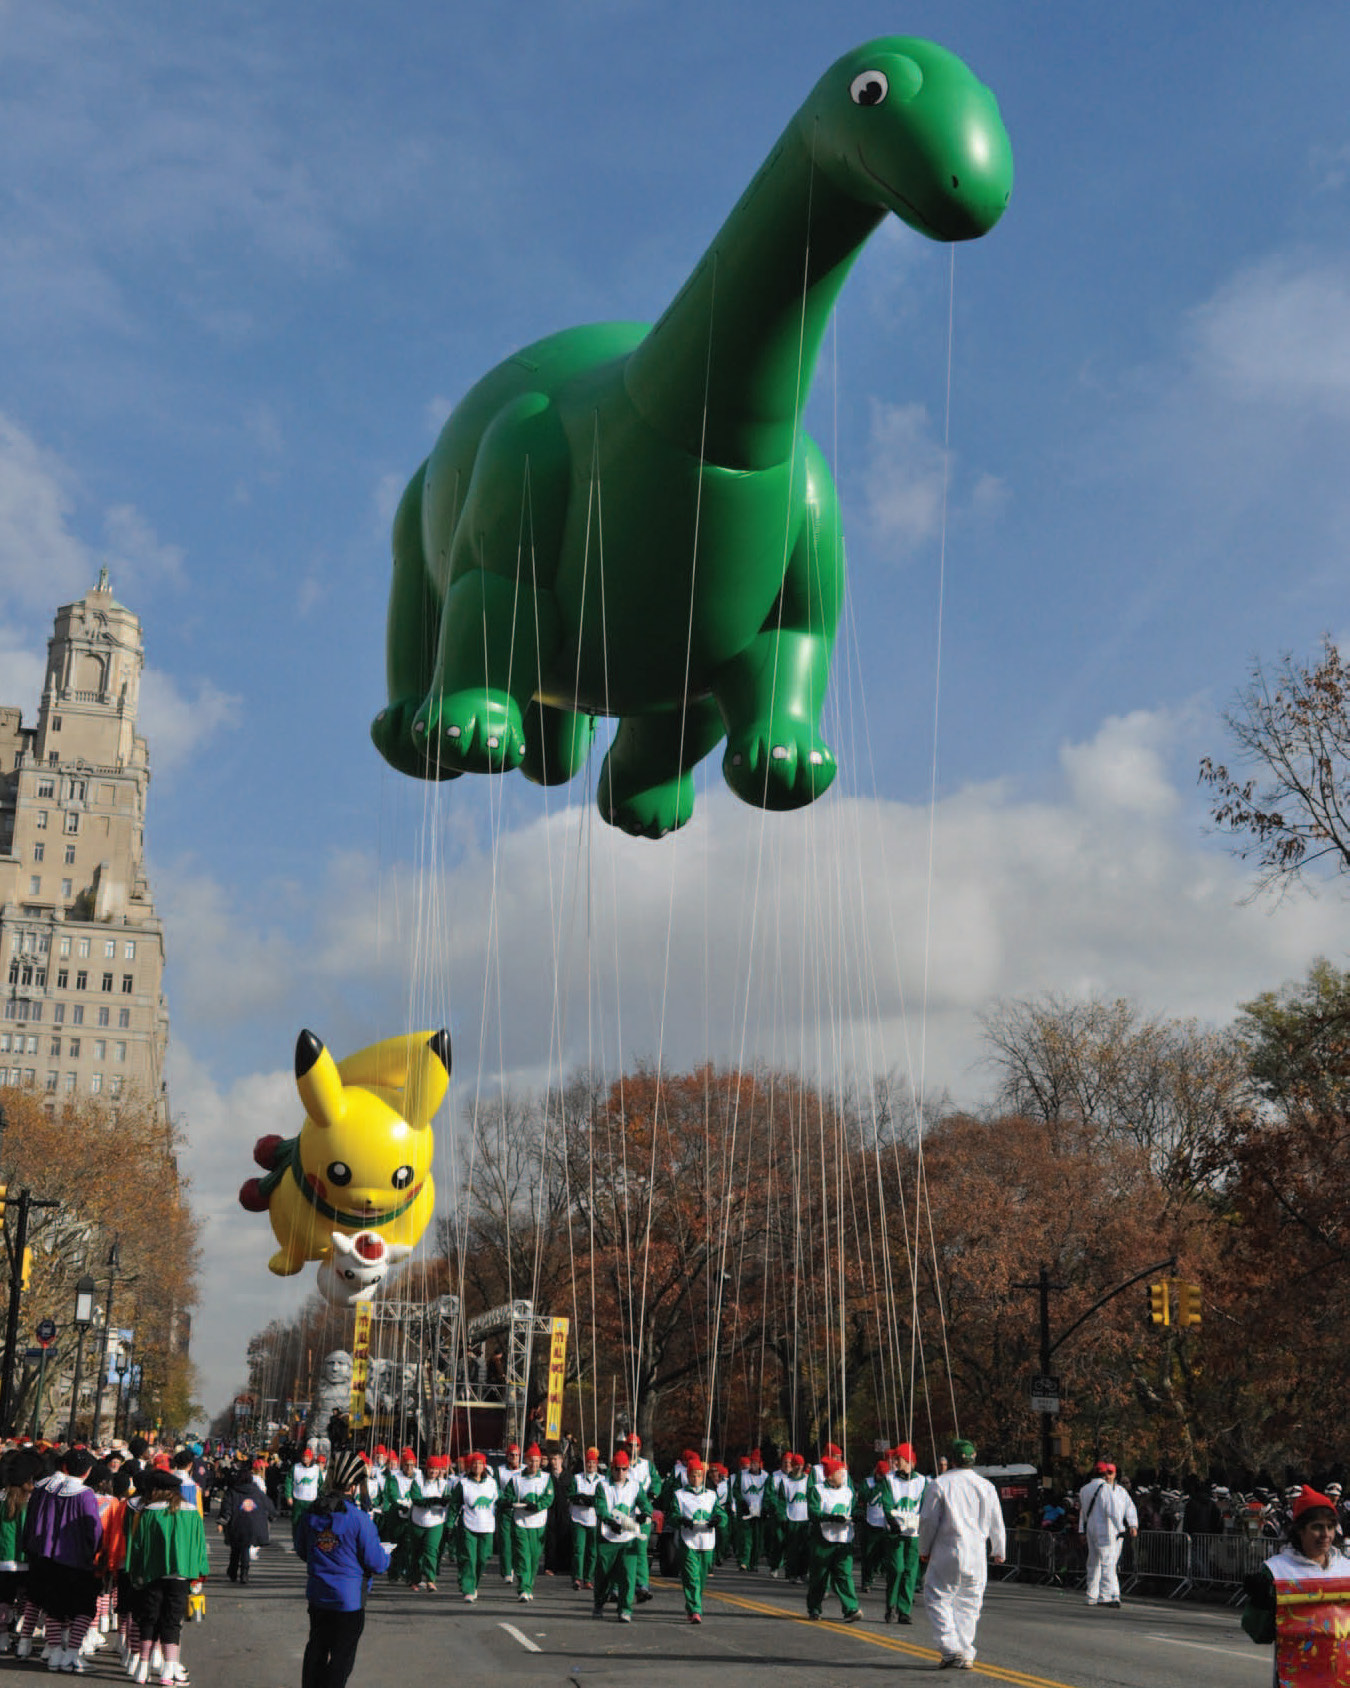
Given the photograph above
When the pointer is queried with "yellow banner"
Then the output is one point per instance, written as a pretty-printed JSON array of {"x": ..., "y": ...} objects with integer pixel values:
[
  {"x": 557, "y": 1377},
  {"x": 356, "y": 1410}
]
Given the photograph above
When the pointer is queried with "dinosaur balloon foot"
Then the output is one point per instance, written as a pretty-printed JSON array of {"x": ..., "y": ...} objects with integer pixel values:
[
  {"x": 648, "y": 811},
  {"x": 392, "y": 734},
  {"x": 779, "y": 766},
  {"x": 474, "y": 731}
]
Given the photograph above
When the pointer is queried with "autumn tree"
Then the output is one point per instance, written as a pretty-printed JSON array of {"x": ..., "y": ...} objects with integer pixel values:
[
  {"x": 113, "y": 1170},
  {"x": 1286, "y": 806}
]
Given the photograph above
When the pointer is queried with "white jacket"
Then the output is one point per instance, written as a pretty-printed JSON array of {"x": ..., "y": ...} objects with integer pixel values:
[
  {"x": 1105, "y": 1511},
  {"x": 960, "y": 1525}
]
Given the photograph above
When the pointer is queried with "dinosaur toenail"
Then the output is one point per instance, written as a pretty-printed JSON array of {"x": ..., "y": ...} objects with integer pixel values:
[
  {"x": 816, "y": 757},
  {"x": 493, "y": 742},
  {"x": 780, "y": 753},
  {"x": 454, "y": 732}
]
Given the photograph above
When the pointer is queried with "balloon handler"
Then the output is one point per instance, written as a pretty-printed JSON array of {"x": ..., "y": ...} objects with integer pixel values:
[
  {"x": 527, "y": 1494},
  {"x": 699, "y": 1513},
  {"x": 830, "y": 1508},
  {"x": 477, "y": 1497},
  {"x": 621, "y": 1504},
  {"x": 426, "y": 1524}
]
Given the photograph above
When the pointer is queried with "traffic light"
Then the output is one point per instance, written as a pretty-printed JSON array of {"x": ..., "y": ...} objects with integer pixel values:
[
  {"x": 4, "y": 1193},
  {"x": 1187, "y": 1303},
  {"x": 1158, "y": 1304},
  {"x": 26, "y": 1271}
]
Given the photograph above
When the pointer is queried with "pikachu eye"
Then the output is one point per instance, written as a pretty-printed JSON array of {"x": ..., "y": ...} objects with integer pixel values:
[
  {"x": 402, "y": 1178},
  {"x": 339, "y": 1172}
]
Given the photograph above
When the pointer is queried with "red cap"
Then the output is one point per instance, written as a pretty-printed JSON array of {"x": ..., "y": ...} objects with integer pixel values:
[
  {"x": 905, "y": 1451},
  {"x": 1105, "y": 1468},
  {"x": 756, "y": 1456},
  {"x": 406, "y": 1455},
  {"x": 1310, "y": 1501},
  {"x": 593, "y": 1453},
  {"x": 620, "y": 1460},
  {"x": 745, "y": 1459},
  {"x": 475, "y": 1459},
  {"x": 830, "y": 1466},
  {"x": 695, "y": 1464},
  {"x": 532, "y": 1452},
  {"x": 380, "y": 1448},
  {"x": 438, "y": 1462},
  {"x": 883, "y": 1468},
  {"x": 634, "y": 1440},
  {"x": 363, "y": 1456},
  {"x": 513, "y": 1447},
  {"x": 829, "y": 1451}
]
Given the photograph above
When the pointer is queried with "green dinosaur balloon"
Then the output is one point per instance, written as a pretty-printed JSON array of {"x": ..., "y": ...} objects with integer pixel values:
[{"x": 630, "y": 521}]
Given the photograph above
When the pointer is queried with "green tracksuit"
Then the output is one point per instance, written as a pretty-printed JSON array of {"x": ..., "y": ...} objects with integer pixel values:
[
  {"x": 525, "y": 1501},
  {"x": 477, "y": 1502},
  {"x": 700, "y": 1513},
  {"x": 426, "y": 1529},
  {"x": 831, "y": 1566},
  {"x": 749, "y": 1491},
  {"x": 617, "y": 1554},
  {"x": 584, "y": 1528}
]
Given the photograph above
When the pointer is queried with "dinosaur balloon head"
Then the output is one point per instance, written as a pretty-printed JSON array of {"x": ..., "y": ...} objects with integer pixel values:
[{"x": 905, "y": 125}]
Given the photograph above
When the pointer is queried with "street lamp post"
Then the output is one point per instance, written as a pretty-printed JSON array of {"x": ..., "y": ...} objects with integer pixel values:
[
  {"x": 84, "y": 1317},
  {"x": 114, "y": 1262},
  {"x": 121, "y": 1364}
]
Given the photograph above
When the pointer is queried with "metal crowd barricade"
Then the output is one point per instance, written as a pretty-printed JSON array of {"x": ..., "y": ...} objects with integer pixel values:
[{"x": 1157, "y": 1562}]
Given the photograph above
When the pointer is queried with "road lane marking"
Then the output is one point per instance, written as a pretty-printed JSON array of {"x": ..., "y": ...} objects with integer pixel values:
[
  {"x": 892, "y": 1644},
  {"x": 524, "y": 1640},
  {"x": 1208, "y": 1647}
]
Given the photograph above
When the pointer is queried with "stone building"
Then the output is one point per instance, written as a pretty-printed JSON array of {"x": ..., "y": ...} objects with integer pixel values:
[{"x": 81, "y": 946}]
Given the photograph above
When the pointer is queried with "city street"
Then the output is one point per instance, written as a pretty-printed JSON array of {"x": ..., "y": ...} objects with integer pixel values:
[{"x": 754, "y": 1629}]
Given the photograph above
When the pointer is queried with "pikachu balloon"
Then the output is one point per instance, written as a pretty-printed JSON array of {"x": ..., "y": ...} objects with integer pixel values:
[{"x": 362, "y": 1161}]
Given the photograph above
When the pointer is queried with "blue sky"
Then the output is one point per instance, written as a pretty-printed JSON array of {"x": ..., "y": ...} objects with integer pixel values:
[{"x": 251, "y": 255}]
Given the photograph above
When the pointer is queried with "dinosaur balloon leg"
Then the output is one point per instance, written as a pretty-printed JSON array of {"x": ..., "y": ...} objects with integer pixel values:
[{"x": 632, "y": 522}]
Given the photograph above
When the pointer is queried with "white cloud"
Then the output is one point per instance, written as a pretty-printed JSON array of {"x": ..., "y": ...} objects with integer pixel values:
[
  {"x": 1279, "y": 332},
  {"x": 176, "y": 724},
  {"x": 41, "y": 561},
  {"x": 903, "y": 482},
  {"x": 133, "y": 552}
]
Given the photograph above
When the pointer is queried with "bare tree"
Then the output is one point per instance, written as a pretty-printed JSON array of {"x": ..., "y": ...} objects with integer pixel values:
[{"x": 1293, "y": 728}]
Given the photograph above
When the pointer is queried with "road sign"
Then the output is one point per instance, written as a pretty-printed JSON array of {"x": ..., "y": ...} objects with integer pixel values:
[
  {"x": 1045, "y": 1394},
  {"x": 46, "y": 1332},
  {"x": 34, "y": 1353}
]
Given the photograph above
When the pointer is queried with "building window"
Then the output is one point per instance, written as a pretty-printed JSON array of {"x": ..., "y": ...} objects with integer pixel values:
[
  {"x": 107, "y": 981},
  {"x": 103, "y": 1016},
  {"x": 26, "y": 975},
  {"x": 84, "y": 948},
  {"x": 70, "y": 1084},
  {"x": 37, "y": 1011},
  {"x": 56, "y": 723},
  {"x": 44, "y": 945},
  {"x": 115, "y": 1085},
  {"x": 21, "y": 1008},
  {"x": 13, "y": 972},
  {"x": 123, "y": 1018},
  {"x": 58, "y": 1013},
  {"x": 100, "y": 1049},
  {"x": 119, "y": 1052},
  {"x": 72, "y": 820},
  {"x": 51, "y": 1081},
  {"x": 63, "y": 948},
  {"x": 32, "y": 1046},
  {"x": 82, "y": 979},
  {"x": 63, "y": 978},
  {"x": 46, "y": 788},
  {"x": 11, "y": 1009},
  {"x": 75, "y": 791},
  {"x": 53, "y": 759},
  {"x": 41, "y": 977},
  {"x": 4, "y": 1043},
  {"x": 95, "y": 1084},
  {"x": 39, "y": 851},
  {"x": 56, "y": 1049},
  {"x": 74, "y": 1049},
  {"x": 109, "y": 948},
  {"x": 128, "y": 980},
  {"x": 70, "y": 855},
  {"x": 129, "y": 951},
  {"x": 29, "y": 1076},
  {"x": 28, "y": 943},
  {"x": 67, "y": 888},
  {"x": 40, "y": 820},
  {"x": 35, "y": 886},
  {"x": 77, "y": 1014}
]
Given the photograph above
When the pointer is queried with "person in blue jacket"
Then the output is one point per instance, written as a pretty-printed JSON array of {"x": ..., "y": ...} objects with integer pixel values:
[{"x": 341, "y": 1548}]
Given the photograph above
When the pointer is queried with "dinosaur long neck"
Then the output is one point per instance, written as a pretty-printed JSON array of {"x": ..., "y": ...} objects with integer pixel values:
[{"x": 741, "y": 337}]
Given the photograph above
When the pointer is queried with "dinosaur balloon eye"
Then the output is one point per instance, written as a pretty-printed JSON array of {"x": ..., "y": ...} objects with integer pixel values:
[
  {"x": 402, "y": 1178},
  {"x": 339, "y": 1172},
  {"x": 869, "y": 88}
]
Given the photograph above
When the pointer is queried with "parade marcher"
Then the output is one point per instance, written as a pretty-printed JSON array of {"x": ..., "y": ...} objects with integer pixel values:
[
  {"x": 1310, "y": 1556},
  {"x": 960, "y": 1530},
  {"x": 775, "y": 1513},
  {"x": 748, "y": 1501},
  {"x": 477, "y": 1496},
  {"x": 641, "y": 1470},
  {"x": 621, "y": 1504},
  {"x": 505, "y": 1539},
  {"x": 880, "y": 1540},
  {"x": 396, "y": 1512},
  {"x": 719, "y": 1481},
  {"x": 430, "y": 1502},
  {"x": 796, "y": 1520},
  {"x": 166, "y": 1550},
  {"x": 527, "y": 1496},
  {"x": 342, "y": 1552},
  {"x": 302, "y": 1488},
  {"x": 18, "y": 1470},
  {"x": 558, "y": 1534},
  {"x": 61, "y": 1538},
  {"x": 697, "y": 1510},
  {"x": 246, "y": 1511},
  {"x": 909, "y": 1488},
  {"x": 1106, "y": 1515},
  {"x": 585, "y": 1525},
  {"x": 830, "y": 1507}
]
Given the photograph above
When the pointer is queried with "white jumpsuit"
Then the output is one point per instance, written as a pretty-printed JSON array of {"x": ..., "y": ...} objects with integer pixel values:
[
  {"x": 960, "y": 1525},
  {"x": 1106, "y": 1513}
]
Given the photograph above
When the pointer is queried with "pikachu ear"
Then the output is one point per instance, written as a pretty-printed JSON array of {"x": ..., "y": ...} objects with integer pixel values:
[
  {"x": 428, "y": 1079},
  {"x": 318, "y": 1080}
]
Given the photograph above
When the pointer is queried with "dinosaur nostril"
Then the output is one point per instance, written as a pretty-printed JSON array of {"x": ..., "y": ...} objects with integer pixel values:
[{"x": 956, "y": 181}]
